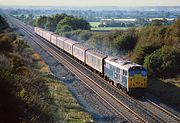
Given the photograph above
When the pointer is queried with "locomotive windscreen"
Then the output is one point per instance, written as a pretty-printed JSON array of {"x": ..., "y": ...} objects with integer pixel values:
[{"x": 137, "y": 71}]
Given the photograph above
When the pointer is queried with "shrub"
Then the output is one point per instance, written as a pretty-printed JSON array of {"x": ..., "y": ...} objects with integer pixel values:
[
  {"x": 63, "y": 28},
  {"x": 17, "y": 62},
  {"x": 5, "y": 67},
  {"x": 163, "y": 62},
  {"x": 149, "y": 40},
  {"x": 78, "y": 35},
  {"x": 126, "y": 41},
  {"x": 19, "y": 45},
  {"x": 3, "y": 24},
  {"x": 5, "y": 42},
  {"x": 142, "y": 51}
]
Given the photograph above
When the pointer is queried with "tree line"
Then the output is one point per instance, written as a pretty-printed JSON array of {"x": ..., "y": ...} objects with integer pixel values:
[
  {"x": 60, "y": 23},
  {"x": 155, "y": 47}
]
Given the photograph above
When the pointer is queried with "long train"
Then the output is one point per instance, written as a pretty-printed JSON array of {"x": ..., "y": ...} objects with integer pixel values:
[{"x": 123, "y": 74}]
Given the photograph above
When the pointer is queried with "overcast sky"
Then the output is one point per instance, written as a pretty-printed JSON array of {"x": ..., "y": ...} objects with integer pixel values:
[{"x": 92, "y": 2}]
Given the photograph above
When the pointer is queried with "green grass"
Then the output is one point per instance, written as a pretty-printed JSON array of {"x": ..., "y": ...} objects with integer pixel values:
[
  {"x": 94, "y": 24},
  {"x": 62, "y": 104}
]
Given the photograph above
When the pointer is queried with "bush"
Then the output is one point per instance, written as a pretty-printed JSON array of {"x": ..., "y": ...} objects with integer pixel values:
[
  {"x": 5, "y": 67},
  {"x": 152, "y": 38},
  {"x": 5, "y": 42},
  {"x": 17, "y": 62},
  {"x": 3, "y": 24},
  {"x": 78, "y": 35},
  {"x": 126, "y": 41},
  {"x": 149, "y": 40},
  {"x": 63, "y": 28},
  {"x": 163, "y": 62},
  {"x": 19, "y": 45},
  {"x": 142, "y": 51}
]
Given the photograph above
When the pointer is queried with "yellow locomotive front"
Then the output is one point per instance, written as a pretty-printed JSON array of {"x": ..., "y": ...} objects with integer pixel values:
[{"x": 137, "y": 79}]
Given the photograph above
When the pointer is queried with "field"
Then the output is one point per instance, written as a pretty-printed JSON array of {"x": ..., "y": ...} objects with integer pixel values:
[
  {"x": 108, "y": 28},
  {"x": 95, "y": 27},
  {"x": 94, "y": 24}
]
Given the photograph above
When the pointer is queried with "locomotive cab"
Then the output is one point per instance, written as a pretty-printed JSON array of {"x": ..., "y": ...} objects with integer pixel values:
[{"x": 137, "y": 80}]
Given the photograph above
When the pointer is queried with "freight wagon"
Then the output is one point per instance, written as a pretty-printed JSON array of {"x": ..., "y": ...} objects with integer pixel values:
[
  {"x": 68, "y": 46},
  {"x": 47, "y": 35},
  {"x": 60, "y": 42},
  {"x": 95, "y": 60},
  {"x": 79, "y": 52}
]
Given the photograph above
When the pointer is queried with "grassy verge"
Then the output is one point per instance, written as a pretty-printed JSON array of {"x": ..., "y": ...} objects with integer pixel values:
[
  {"x": 64, "y": 107},
  {"x": 168, "y": 90}
]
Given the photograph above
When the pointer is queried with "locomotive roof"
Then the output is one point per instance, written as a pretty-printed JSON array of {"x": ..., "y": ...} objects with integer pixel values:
[
  {"x": 120, "y": 62},
  {"x": 96, "y": 53}
]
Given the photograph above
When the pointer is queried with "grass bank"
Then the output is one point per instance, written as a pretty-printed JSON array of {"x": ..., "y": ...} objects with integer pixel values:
[
  {"x": 167, "y": 90},
  {"x": 29, "y": 92}
]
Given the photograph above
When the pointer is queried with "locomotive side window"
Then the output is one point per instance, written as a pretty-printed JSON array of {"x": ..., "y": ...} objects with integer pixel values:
[
  {"x": 118, "y": 70},
  {"x": 124, "y": 73}
]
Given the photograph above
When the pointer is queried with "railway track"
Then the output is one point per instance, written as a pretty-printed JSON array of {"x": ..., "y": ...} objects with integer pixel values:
[
  {"x": 155, "y": 112},
  {"x": 159, "y": 111},
  {"x": 116, "y": 105}
]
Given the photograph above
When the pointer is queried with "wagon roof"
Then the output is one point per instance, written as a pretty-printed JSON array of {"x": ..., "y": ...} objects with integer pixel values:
[
  {"x": 70, "y": 41},
  {"x": 56, "y": 35},
  {"x": 96, "y": 53},
  {"x": 47, "y": 31},
  {"x": 61, "y": 38},
  {"x": 82, "y": 46},
  {"x": 120, "y": 62}
]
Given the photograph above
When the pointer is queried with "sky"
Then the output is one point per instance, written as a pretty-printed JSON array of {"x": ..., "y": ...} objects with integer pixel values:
[{"x": 91, "y": 2}]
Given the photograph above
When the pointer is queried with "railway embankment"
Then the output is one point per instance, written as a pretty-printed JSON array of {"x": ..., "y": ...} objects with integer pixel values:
[
  {"x": 29, "y": 91},
  {"x": 166, "y": 90}
]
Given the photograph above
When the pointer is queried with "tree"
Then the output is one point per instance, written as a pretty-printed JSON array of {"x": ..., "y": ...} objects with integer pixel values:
[
  {"x": 22, "y": 17},
  {"x": 5, "y": 42},
  {"x": 56, "y": 19},
  {"x": 78, "y": 35},
  {"x": 41, "y": 21},
  {"x": 84, "y": 35},
  {"x": 156, "y": 22},
  {"x": 126, "y": 41},
  {"x": 149, "y": 40},
  {"x": 49, "y": 25},
  {"x": 63, "y": 28},
  {"x": 163, "y": 62},
  {"x": 3, "y": 24},
  {"x": 74, "y": 23}
]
